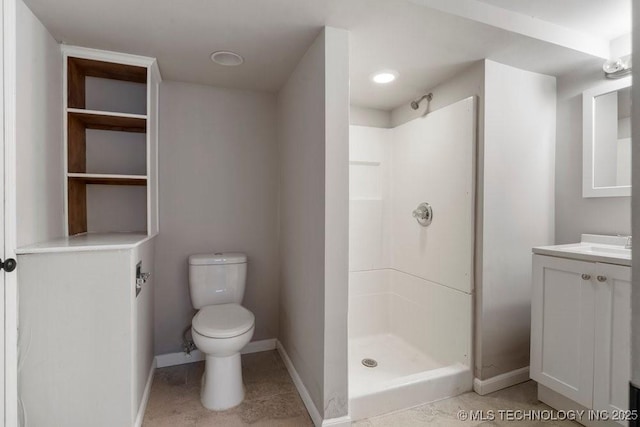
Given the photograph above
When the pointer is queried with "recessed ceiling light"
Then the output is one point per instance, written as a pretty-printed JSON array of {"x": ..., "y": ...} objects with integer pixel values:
[
  {"x": 226, "y": 58},
  {"x": 384, "y": 77}
]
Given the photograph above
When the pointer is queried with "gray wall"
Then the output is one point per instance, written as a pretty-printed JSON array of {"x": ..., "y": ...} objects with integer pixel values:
[
  {"x": 39, "y": 158},
  {"x": 517, "y": 197},
  {"x": 574, "y": 214},
  {"x": 218, "y": 192},
  {"x": 313, "y": 146}
]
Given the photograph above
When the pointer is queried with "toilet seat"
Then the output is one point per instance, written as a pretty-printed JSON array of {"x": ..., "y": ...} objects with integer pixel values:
[{"x": 223, "y": 321}]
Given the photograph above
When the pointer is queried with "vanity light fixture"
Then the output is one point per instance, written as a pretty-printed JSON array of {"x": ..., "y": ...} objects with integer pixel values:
[
  {"x": 384, "y": 77},
  {"x": 227, "y": 58},
  {"x": 616, "y": 68}
]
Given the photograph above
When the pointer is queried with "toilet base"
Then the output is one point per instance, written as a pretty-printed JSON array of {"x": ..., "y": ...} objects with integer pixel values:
[{"x": 222, "y": 386}]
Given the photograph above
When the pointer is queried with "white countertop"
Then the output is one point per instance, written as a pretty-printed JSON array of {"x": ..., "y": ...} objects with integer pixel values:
[
  {"x": 593, "y": 248},
  {"x": 87, "y": 242}
]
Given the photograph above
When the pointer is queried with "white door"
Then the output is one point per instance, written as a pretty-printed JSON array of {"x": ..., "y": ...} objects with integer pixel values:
[
  {"x": 2, "y": 218},
  {"x": 612, "y": 362},
  {"x": 562, "y": 323}
]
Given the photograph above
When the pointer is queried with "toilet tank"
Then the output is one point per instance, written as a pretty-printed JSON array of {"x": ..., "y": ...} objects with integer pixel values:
[{"x": 217, "y": 278}]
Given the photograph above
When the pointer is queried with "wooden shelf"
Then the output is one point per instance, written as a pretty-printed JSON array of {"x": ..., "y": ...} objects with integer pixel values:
[
  {"x": 80, "y": 68},
  {"x": 79, "y": 120},
  {"x": 106, "y": 113},
  {"x": 107, "y": 179}
]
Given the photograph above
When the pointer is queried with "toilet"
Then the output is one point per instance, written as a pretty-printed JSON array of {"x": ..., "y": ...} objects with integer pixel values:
[{"x": 222, "y": 327}]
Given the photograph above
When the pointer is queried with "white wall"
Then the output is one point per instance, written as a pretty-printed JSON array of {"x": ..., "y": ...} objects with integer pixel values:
[
  {"x": 369, "y": 198},
  {"x": 336, "y": 260},
  {"x": 218, "y": 170},
  {"x": 433, "y": 162},
  {"x": 38, "y": 131},
  {"x": 635, "y": 189},
  {"x": 313, "y": 136},
  {"x": 362, "y": 116},
  {"x": 433, "y": 318},
  {"x": 517, "y": 199},
  {"x": 574, "y": 214}
]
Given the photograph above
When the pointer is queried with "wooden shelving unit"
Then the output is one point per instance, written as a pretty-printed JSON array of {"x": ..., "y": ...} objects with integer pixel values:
[{"x": 82, "y": 64}]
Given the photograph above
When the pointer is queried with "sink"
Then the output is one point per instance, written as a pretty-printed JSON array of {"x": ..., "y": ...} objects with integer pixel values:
[
  {"x": 598, "y": 249},
  {"x": 593, "y": 247}
]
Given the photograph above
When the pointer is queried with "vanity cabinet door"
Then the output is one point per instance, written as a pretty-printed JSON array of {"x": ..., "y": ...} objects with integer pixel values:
[
  {"x": 612, "y": 362},
  {"x": 562, "y": 325}
]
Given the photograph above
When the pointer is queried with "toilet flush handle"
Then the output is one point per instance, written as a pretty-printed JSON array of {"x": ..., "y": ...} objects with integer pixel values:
[{"x": 141, "y": 278}]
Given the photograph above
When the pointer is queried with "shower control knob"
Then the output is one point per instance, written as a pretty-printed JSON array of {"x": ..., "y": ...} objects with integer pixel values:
[{"x": 423, "y": 214}]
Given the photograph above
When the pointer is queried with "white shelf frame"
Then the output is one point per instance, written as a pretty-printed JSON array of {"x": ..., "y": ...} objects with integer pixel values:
[{"x": 153, "y": 81}]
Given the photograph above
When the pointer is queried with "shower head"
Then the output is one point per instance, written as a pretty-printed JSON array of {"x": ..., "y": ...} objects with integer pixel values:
[{"x": 416, "y": 104}]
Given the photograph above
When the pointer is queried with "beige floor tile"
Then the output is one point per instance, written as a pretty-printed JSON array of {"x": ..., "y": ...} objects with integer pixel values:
[
  {"x": 270, "y": 397},
  {"x": 272, "y": 401},
  {"x": 444, "y": 413}
]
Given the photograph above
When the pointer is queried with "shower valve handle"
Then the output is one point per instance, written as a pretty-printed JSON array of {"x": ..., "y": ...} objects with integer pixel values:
[
  {"x": 420, "y": 214},
  {"x": 423, "y": 214}
]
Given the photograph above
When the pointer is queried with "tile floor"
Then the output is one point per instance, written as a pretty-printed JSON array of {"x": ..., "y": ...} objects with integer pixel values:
[
  {"x": 444, "y": 412},
  {"x": 272, "y": 400}
]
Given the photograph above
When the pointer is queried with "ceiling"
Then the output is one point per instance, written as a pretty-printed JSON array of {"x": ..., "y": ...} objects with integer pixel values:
[
  {"x": 605, "y": 18},
  {"x": 424, "y": 44}
]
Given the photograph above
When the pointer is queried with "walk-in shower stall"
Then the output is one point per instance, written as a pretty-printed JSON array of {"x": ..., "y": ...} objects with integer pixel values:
[{"x": 411, "y": 265}]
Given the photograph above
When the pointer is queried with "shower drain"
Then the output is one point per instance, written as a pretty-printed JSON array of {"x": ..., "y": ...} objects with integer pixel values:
[{"x": 369, "y": 363}]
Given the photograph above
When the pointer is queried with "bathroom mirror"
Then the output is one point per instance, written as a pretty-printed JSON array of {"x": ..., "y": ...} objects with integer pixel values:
[{"x": 607, "y": 139}]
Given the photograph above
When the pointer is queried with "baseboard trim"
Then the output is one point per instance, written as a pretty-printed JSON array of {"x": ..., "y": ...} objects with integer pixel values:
[
  {"x": 258, "y": 346},
  {"x": 145, "y": 395},
  {"x": 337, "y": 422},
  {"x": 181, "y": 358},
  {"x": 501, "y": 381},
  {"x": 302, "y": 390}
]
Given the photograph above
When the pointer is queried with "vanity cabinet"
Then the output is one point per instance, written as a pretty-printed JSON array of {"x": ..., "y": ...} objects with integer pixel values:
[{"x": 581, "y": 330}]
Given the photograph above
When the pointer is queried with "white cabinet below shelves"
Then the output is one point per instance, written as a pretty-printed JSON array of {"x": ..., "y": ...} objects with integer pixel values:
[
  {"x": 581, "y": 329},
  {"x": 85, "y": 334}
]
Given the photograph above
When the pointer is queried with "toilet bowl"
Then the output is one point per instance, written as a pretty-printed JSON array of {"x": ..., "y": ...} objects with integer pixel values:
[
  {"x": 220, "y": 332},
  {"x": 222, "y": 327}
]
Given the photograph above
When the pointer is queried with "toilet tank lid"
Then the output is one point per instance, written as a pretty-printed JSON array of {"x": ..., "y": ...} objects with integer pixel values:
[{"x": 218, "y": 258}]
